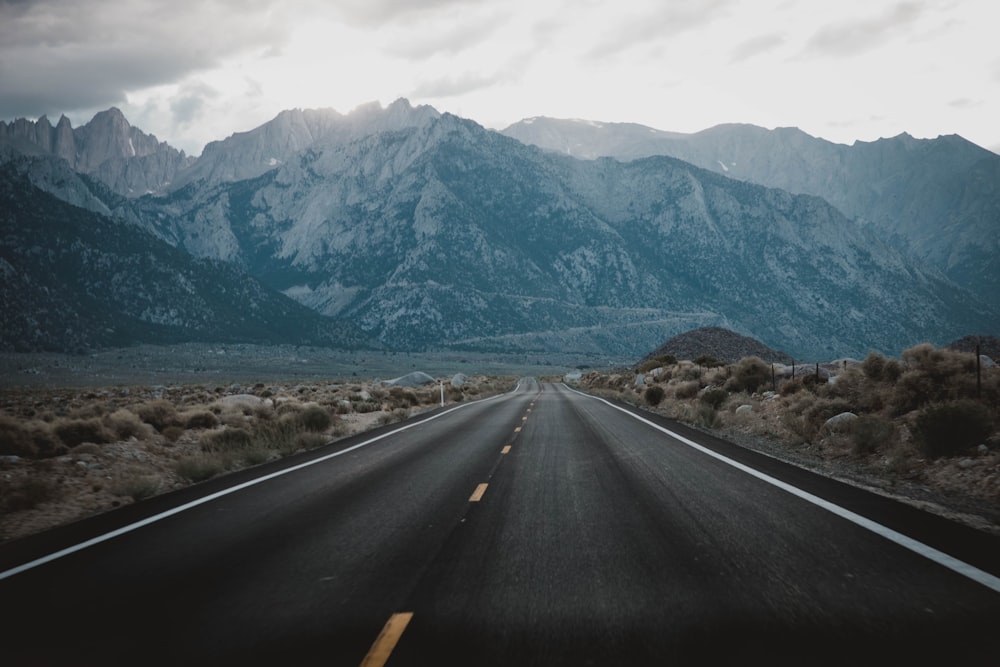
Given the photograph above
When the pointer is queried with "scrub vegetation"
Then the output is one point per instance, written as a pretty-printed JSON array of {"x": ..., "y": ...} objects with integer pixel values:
[{"x": 69, "y": 453}]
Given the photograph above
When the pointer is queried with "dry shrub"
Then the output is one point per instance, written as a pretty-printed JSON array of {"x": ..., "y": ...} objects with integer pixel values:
[
  {"x": 226, "y": 440},
  {"x": 951, "y": 428},
  {"x": 199, "y": 468},
  {"x": 749, "y": 375},
  {"x": 200, "y": 419},
  {"x": 871, "y": 433},
  {"x": 125, "y": 424},
  {"x": 397, "y": 415},
  {"x": 31, "y": 440},
  {"x": 173, "y": 433},
  {"x": 654, "y": 395},
  {"x": 683, "y": 390},
  {"x": 159, "y": 414},
  {"x": 135, "y": 483},
  {"x": 314, "y": 418},
  {"x": 16, "y": 440},
  {"x": 75, "y": 432},
  {"x": 27, "y": 493},
  {"x": 715, "y": 398}
]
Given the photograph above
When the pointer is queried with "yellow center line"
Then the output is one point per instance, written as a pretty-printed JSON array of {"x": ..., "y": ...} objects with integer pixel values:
[
  {"x": 517, "y": 430},
  {"x": 505, "y": 450},
  {"x": 524, "y": 419},
  {"x": 477, "y": 495},
  {"x": 386, "y": 640}
]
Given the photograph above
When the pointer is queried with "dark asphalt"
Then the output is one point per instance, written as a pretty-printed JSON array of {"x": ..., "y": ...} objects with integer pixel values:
[{"x": 598, "y": 541}]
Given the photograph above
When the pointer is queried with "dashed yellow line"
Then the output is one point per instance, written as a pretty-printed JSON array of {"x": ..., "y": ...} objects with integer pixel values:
[
  {"x": 517, "y": 430},
  {"x": 386, "y": 640},
  {"x": 477, "y": 495},
  {"x": 505, "y": 450}
]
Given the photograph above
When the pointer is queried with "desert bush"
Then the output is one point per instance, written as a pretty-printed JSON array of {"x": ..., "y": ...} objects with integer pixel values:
[
  {"x": 683, "y": 390},
  {"x": 199, "y": 468},
  {"x": 715, "y": 398},
  {"x": 869, "y": 433},
  {"x": 749, "y": 375},
  {"x": 367, "y": 406},
  {"x": 135, "y": 483},
  {"x": 648, "y": 365},
  {"x": 314, "y": 418},
  {"x": 27, "y": 493},
  {"x": 951, "y": 428},
  {"x": 200, "y": 419},
  {"x": 824, "y": 408},
  {"x": 708, "y": 361},
  {"x": 226, "y": 440},
  {"x": 16, "y": 440},
  {"x": 159, "y": 414},
  {"x": 654, "y": 395},
  {"x": 126, "y": 424},
  {"x": 74, "y": 432},
  {"x": 173, "y": 433},
  {"x": 706, "y": 416},
  {"x": 874, "y": 366},
  {"x": 397, "y": 415}
]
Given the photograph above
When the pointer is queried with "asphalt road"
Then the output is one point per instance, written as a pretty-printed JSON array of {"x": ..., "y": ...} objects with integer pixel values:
[{"x": 541, "y": 527}]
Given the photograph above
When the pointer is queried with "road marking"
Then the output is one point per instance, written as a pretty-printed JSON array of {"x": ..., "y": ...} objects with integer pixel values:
[
  {"x": 505, "y": 450},
  {"x": 387, "y": 639},
  {"x": 517, "y": 430},
  {"x": 955, "y": 565},
  {"x": 477, "y": 495},
  {"x": 225, "y": 492},
  {"x": 524, "y": 419}
]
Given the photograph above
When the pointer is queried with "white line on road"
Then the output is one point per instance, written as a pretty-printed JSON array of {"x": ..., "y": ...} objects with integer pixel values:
[
  {"x": 961, "y": 567},
  {"x": 225, "y": 492}
]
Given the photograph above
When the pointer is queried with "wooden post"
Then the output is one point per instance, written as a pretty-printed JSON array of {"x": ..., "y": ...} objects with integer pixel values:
[{"x": 979, "y": 376}]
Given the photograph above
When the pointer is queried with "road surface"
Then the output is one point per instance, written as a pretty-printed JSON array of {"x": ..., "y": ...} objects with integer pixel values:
[{"x": 540, "y": 527}]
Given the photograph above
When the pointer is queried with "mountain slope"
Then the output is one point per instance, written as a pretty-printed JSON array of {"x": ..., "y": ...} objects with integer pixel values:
[
  {"x": 74, "y": 280},
  {"x": 442, "y": 232},
  {"x": 126, "y": 159},
  {"x": 938, "y": 198}
]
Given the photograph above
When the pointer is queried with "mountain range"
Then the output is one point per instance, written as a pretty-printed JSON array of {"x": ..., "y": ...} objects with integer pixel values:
[
  {"x": 939, "y": 199},
  {"x": 427, "y": 231}
]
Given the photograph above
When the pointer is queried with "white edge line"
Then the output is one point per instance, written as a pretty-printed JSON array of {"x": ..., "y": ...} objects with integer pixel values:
[
  {"x": 961, "y": 567},
  {"x": 224, "y": 492}
]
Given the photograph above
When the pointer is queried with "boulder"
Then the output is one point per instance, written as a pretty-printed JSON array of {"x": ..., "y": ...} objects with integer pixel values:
[
  {"x": 839, "y": 423},
  {"x": 744, "y": 409},
  {"x": 458, "y": 380}
]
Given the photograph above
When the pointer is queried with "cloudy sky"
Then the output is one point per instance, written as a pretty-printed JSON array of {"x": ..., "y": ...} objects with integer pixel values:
[{"x": 191, "y": 71}]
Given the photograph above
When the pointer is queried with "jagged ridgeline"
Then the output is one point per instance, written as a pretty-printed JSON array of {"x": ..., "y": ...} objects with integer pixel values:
[{"x": 429, "y": 231}]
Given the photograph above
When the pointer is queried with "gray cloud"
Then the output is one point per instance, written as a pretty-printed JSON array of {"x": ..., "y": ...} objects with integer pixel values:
[
  {"x": 381, "y": 12},
  {"x": 62, "y": 55},
  {"x": 852, "y": 38},
  {"x": 449, "y": 41},
  {"x": 191, "y": 99},
  {"x": 757, "y": 46},
  {"x": 664, "y": 22},
  {"x": 453, "y": 86}
]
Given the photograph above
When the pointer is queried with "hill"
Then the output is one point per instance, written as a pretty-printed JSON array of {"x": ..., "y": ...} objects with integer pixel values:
[{"x": 723, "y": 344}]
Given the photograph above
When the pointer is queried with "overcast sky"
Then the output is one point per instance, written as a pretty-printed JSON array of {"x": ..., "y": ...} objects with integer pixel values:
[{"x": 191, "y": 71}]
